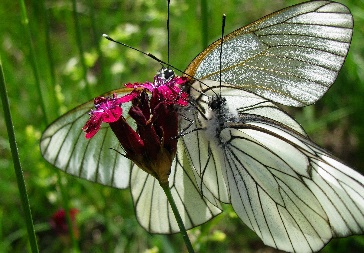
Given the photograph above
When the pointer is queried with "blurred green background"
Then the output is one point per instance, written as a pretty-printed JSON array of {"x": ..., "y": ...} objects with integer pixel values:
[{"x": 106, "y": 221}]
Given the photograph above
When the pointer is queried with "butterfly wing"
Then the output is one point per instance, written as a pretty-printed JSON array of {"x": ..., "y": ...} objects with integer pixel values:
[
  {"x": 200, "y": 146},
  {"x": 292, "y": 193},
  {"x": 291, "y": 56},
  {"x": 154, "y": 212},
  {"x": 98, "y": 159}
]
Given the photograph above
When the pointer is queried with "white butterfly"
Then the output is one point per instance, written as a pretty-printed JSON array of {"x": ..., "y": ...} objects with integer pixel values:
[
  {"x": 293, "y": 194},
  {"x": 237, "y": 146}
]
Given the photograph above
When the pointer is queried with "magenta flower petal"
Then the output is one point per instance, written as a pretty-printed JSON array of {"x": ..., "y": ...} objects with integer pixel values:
[
  {"x": 153, "y": 144},
  {"x": 128, "y": 97},
  {"x": 93, "y": 125},
  {"x": 148, "y": 85},
  {"x": 172, "y": 93},
  {"x": 180, "y": 80},
  {"x": 112, "y": 115},
  {"x": 183, "y": 99},
  {"x": 107, "y": 109}
]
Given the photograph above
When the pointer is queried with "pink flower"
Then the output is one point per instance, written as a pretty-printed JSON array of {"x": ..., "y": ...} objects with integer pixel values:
[
  {"x": 107, "y": 109},
  {"x": 168, "y": 89},
  {"x": 152, "y": 146}
]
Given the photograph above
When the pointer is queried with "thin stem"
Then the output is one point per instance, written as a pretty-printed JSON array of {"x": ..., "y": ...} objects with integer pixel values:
[
  {"x": 25, "y": 21},
  {"x": 33, "y": 61},
  {"x": 64, "y": 198},
  {"x": 96, "y": 40},
  {"x": 181, "y": 226},
  {"x": 49, "y": 54},
  {"x": 17, "y": 165},
  {"x": 80, "y": 47},
  {"x": 222, "y": 41},
  {"x": 168, "y": 33},
  {"x": 204, "y": 24}
]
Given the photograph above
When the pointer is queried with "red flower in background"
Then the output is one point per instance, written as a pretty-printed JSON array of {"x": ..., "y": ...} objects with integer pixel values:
[{"x": 59, "y": 223}]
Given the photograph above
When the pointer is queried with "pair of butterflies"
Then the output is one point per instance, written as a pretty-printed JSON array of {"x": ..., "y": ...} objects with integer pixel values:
[{"x": 238, "y": 146}]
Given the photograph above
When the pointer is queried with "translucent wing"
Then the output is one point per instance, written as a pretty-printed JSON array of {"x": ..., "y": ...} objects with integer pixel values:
[
  {"x": 293, "y": 194},
  {"x": 291, "y": 56},
  {"x": 200, "y": 145},
  {"x": 98, "y": 159},
  {"x": 154, "y": 212}
]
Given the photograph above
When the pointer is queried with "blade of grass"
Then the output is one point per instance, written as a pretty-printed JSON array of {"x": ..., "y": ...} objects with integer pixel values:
[
  {"x": 18, "y": 234},
  {"x": 80, "y": 47},
  {"x": 64, "y": 196},
  {"x": 25, "y": 22},
  {"x": 33, "y": 61},
  {"x": 204, "y": 24},
  {"x": 96, "y": 40},
  {"x": 17, "y": 166},
  {"x": 49, "y": 53}
]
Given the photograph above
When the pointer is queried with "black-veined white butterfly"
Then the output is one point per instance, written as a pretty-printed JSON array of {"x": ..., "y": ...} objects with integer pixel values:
[{"x": 239, "y": 147}]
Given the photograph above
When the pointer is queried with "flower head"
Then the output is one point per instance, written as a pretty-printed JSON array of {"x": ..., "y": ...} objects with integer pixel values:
[
  {"x": 107, "y": 109},
  {"x": 167, "y": 87},
  {"x": 153, "y": 144}
]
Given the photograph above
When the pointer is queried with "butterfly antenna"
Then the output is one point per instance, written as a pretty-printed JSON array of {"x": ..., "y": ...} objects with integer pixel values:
[
  {"x": 153, "y": 57},
  {"x": 222, "y": 41},
  {"x": 147, "y": 54},
  {"x": 168, "y": 35},
  {"x": 133, "y": 48}
]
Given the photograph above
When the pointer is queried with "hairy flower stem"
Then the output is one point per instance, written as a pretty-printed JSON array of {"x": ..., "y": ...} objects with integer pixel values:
[{"x": 181, "y": 226}]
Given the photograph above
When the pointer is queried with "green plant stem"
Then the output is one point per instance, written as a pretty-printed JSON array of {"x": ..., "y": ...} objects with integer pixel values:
[
  {"x": 80, "y": 47},
  {"x": 96, "y": 40},
  {"x": 49, "y": 54},
  {"x": 17, "y": 165},
  {"x": 65, "y": 202},
  {"x": 25, "y": 21},
  {"x": 204, "y": 24},
  {"x": 64, "y": 197},
  {"x": 181, "y": 226}
]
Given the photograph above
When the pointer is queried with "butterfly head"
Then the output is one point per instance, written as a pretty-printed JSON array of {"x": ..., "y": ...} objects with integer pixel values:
[
  {"x": 217, "y": 102},
  {"x": 163, "y": 76}
]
